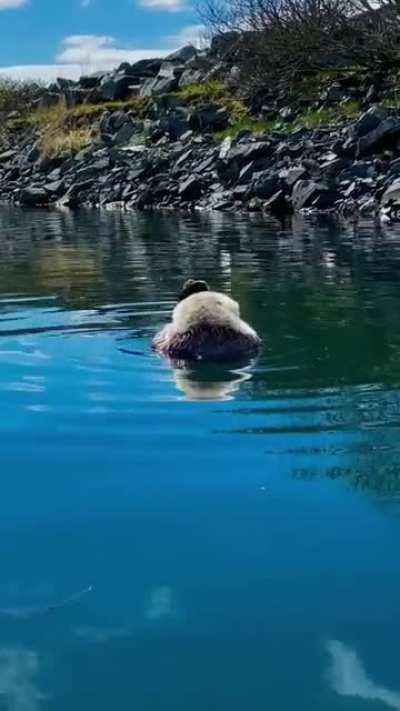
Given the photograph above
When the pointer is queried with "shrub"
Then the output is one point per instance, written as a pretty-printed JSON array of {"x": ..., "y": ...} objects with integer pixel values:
[
  {"x": 276, "y": 43},
  {"x": 18, "y": 95}
]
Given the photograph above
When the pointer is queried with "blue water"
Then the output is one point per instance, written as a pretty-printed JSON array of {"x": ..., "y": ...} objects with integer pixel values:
[{"x": 175, "y": 540}]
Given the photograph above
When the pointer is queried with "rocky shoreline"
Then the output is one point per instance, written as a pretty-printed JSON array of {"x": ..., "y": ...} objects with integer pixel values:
[{"x": 173, "y": 157}]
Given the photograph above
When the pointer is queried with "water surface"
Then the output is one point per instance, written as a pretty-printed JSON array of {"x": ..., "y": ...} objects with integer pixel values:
[{"x": 179, "y": 539}]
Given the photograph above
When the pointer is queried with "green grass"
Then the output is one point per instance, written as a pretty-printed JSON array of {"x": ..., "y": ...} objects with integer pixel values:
[
  {"x": 214, "y": 92},
  {"x": 203, "y": 92},
  {"x": 317, "y": 118},
  {"x": 392, "y": 102},
  {"x": 247, "y": 124},
  {"x": 311, "y": 119}
]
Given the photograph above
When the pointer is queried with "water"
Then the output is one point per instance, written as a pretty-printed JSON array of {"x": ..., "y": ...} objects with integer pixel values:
[{"x": 185, "y": 540}]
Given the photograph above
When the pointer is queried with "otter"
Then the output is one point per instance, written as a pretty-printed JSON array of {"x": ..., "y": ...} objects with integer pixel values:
[{"x": 206, "y": 326}]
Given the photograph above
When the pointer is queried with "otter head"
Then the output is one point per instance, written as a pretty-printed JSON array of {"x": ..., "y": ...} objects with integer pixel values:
[{"x": 193, "y": 286}]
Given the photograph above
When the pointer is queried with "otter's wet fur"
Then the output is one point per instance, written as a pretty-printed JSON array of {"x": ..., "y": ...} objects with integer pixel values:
[{"x": 206, "y": 325}]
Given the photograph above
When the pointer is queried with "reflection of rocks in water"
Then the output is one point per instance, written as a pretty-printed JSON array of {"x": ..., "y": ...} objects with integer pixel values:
[
  {"x": 209, "y": 383},
  {"x": 348, "y": 677}
]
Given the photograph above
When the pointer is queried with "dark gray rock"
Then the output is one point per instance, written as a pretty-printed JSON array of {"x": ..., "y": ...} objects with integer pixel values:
[
  {"x": 49, "y": 99},
  {"x": 392, "y": 194},
  {"x": 369, "y": 121},
  {"x": 307, "y": 193},
  {"x": 55, "y": 189},
  {"x": 211, "y": 117},
  {"x": 62, "y": 84},
  {"x": 241, "y": 192},
  {"x": 206, "y": 165},
  {"x": 124, "y": 134},
  {"x": 114, "y": 87},
  {"x": 245, "y": 153},
  {"x": 278, "y": 205},
  {"x": 381, "y": 137},
  {"x": 158, "y": 86},
  {"x": 101, "y": 164},
  {"x": 182, "y": 55},
  {"x": 332, "y": 167},
  {"x": 291, "y": 175},
  {"x": 116, "y": 120},
  {"x": 88, "y": 172},
  {"x": 175, "y": 124},
  {"x": 246, "y": 172},
  {"x": 90, "y": 82},
  {"x": 7, "y": 155},
  {"x": 333, "y": 93},
  {"x": 76, "y": 193},
  {"x": 33, "y": 197},
  {"x": 147, "y": 68},
  {"x": 190, "y": 189},
  {"x": 265, "y": 184}
]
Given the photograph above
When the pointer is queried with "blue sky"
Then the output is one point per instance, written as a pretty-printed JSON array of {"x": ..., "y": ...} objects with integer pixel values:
[{"x": 48, "y": 38}]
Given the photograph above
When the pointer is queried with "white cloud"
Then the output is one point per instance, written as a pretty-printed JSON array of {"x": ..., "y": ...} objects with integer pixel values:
[
  {"x": 348, "y": 677},
  {"x": 11, "y": 4},
  {"x": 168, "y": 5},
  {"x": 42, "y": 72},
  {"x": 95, "y": 52},
  {"x": 191, "y": 34},
  {"x": 18, "y": 668},
  {"x": 82, "y": 54}
]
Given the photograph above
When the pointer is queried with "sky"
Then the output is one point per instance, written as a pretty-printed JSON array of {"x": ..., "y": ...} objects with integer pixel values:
[{"x": 43, "y": 39}]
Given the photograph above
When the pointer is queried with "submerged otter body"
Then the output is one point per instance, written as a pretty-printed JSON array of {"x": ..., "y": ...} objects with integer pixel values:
[{"x": 206, "y": 325}]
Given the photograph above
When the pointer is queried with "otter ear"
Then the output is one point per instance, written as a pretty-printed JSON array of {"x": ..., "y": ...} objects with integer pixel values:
[{"x": 193, "y": 286}]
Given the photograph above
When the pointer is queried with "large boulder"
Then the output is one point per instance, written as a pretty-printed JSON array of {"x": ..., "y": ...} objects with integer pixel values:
[
  {"x": 387, "y": 132},
  {"x": 278, "y": 205},
  {"x": 375, "y": 130},
  {"x": 190, "y": 189},
  {"x": 307, "y": 193},
  {"x": 115, "y": 87},
  {"x": 368, "y": 121},
  {"x": 175, "y": 124},
  {"x": 124, "y": 134},
  {"x": 146, "y": 68},
  {"x": 158, "y": 86},
  {"x": 91, "y": 81},
  {"x": 245, "y": 152},
  {"x": 182, "y": 55},
  {"x": 33, "y": 197},
  {"x": 209, "y": 118},
  {"x": 265, "y": 184}
]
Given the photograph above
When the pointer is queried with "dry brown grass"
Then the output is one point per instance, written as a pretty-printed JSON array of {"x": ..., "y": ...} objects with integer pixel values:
[
  {"x": 68, "y": 130},
  {"x": 58, "y": 135}
]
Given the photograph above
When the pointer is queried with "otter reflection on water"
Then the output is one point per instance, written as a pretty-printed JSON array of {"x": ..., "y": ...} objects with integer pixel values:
[
  {"x": 201, "y": 383},
  {"x": 206, "y": 326}
]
